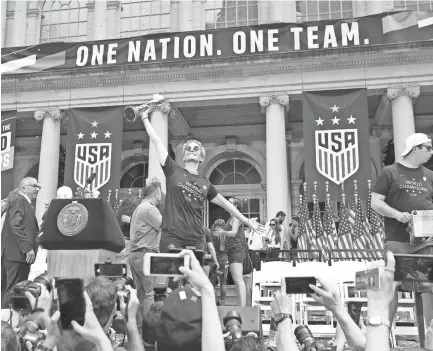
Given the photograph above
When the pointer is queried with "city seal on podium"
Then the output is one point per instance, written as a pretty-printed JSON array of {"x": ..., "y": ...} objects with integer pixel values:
[{"x": 72, "y": 219}]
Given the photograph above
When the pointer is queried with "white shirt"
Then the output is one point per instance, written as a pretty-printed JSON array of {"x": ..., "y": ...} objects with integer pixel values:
[{"x": 27, "y": 198}]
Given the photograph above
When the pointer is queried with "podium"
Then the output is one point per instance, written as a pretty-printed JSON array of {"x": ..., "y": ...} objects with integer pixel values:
[{"x": 78, "y": 233}]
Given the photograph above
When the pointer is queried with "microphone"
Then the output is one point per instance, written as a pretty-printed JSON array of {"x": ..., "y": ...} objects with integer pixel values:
[{"x": 91, "y": 179}]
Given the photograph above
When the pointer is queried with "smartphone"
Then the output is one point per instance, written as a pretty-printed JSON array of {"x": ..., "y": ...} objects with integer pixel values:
[
  {"x": 199, "y": 255},
  {"x": 368, "y": 280},
  {"x": 299, "y": 285},
  {"x": 111, "y": 270},
  {"x": 72, "y": 305},
  {"x": 413, "y": 267},
  {"x": 164, "y": 264}
]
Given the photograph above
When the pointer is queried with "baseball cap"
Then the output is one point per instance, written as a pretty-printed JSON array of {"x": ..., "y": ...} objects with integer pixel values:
[
  {"x": 415, "y": 140},
  {"x": 180, "y": 324}
]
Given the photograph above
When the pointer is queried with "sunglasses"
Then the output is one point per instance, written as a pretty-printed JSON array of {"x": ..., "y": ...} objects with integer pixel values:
[
  {"x": 35, "y": 186},
  {"x": 272, "y": 224},
  {"x": 192, "y": 148}
]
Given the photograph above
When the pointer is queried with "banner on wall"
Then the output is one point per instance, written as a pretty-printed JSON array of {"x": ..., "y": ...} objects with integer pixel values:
[
  {"x": 8, "y": 129},
  {"x": 276, "y": 38},
  {"x": 336, "y": 141},
  {"x": 94, "y": 146}
]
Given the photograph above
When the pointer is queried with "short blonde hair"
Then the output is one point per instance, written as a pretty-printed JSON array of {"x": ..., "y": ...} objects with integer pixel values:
[{"x": 202, "y": 150}]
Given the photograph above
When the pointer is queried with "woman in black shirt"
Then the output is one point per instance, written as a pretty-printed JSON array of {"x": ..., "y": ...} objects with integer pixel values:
[
  {"x": 236, "y": 249},
  {"x": 123, "y": 214}
]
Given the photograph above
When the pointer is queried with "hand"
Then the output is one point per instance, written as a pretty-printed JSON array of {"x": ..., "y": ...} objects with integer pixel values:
[
  {"x": 404, "y": 217},
  {"x": 217, "y": 265},
  {"x": 54, "y": 333},
  {"x": 327, "y": 296},
  {"x": 218, "y": 233},
  {"x": 385, "y": 298},
  {"x": 256, "y": 226},
  {"x": 133, "y": 304},
  {"x": 195, "y": 275},
  {"x": 30, "y": 257},
  {"x": 91, "y": 330},
  {"x": 126, "y": 219},
  {"x": 43, "y": 301},
  {"x": 282, "y": 302}
]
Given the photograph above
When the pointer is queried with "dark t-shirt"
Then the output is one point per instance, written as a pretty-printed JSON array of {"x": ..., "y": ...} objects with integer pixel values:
[
  {"x": 405, "y": 189},
  {"x": 184, "y": 201},
  {"x": 237, "y": 243}
]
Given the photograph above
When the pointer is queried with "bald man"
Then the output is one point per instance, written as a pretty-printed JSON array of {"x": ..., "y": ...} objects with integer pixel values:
[{"x": 18, "y": 240}]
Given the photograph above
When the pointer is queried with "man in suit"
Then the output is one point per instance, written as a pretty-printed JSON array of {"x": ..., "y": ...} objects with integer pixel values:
[{"x": 18, "y": 238}]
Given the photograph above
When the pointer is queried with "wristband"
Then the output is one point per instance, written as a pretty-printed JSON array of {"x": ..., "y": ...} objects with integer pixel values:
[{"x": 38, "y": 309}]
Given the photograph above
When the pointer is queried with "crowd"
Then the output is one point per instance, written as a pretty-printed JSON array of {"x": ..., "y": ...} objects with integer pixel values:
[{"x": 184, "y": 316}]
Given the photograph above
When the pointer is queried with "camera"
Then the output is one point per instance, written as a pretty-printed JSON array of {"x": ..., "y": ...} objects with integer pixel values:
[
  {"x": 18, "y": 299},
  {"x": 160, "y": 289},
  {"x": 233, "y": 324},
  {"x": 307, "y": 340}
]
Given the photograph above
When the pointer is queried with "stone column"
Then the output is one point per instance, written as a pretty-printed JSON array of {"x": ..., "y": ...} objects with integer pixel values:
[
  {"x": 185, "y": 15},
  {"x": 20, "y": 18},
  {"x": 159, "y": 120},
  {"x": 4, "y": 8},
  {"x": 295, "y": 185},
  {"x": 277, "y": 188},
  {"x": 403, "y": 120},
  {"x": 113, "y": 15},
  {"x": 100, "y": 20},
  {"x": 33, "y": 26},
  {"x": 49, "y": 157}
]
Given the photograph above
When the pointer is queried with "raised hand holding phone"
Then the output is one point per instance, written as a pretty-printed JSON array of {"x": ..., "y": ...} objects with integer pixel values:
[{"x": 195, "y": 274}]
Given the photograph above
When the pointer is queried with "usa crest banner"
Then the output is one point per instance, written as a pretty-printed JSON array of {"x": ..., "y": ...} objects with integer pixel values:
[
  {"x": 336, "y": 137},
  {"x": 94, "y": 146}
]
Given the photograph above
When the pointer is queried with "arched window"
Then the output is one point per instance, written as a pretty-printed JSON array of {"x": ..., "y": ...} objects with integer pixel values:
[
  {"x": 63, "y": 20},
  {"x": 318, "y": 10},
  {"x": 413, "y": 5},
  {"x": 143, "y": 17},
  {"x": 235, "y": 172},
  {"x": 235, "y": 13},
  {"x": 135, "y": 177}
]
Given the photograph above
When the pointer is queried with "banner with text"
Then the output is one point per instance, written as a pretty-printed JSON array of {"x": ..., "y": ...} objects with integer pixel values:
[
  {"x": 279, "y": 38},
  {"x": 8, "y": 142},
  {"x": 336, "y": 141},
  {"x": 94, "y": 146}
]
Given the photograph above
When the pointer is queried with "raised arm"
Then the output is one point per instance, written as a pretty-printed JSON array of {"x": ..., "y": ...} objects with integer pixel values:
[
  {"x": 161, "y": 150},
  {"x": 235, "y": 227}
]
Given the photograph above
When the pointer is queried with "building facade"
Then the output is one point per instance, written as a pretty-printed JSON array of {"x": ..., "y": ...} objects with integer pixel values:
[{"x": 247, "y": 112}]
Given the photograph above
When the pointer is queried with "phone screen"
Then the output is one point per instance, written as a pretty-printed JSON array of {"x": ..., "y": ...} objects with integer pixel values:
[
  {"x": 413, "y": 267},
  {"x": 299, "y": 285},
  {"x": 166, "y": 265},
  {"x": 112, "y": 269},
  {"x": 71, "y": 301}
]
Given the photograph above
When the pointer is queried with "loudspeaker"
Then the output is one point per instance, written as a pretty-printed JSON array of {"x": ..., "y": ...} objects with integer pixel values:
[{"x": 251, "y": 318}]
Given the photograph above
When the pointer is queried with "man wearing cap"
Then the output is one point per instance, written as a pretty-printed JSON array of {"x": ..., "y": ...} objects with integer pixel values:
[{"x": 403, "y": 187}]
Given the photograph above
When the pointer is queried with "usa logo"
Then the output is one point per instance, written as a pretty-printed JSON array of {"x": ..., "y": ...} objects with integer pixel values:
[
  {"x": 89, "y": 159},
  {"x": 337, "y": 153}
]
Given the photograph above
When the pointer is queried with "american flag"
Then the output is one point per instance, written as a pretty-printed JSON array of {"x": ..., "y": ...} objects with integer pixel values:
[
  {"x": 329, "y": 226},
  {"x": 303, "y": 243},
  {"x": 344, "y": 241},
  {"x": 321, "y": 240},
  {"x": 311, "y": 237},
  {"x": 377, "y": 233},
  {"x": 360, "y": 239}
]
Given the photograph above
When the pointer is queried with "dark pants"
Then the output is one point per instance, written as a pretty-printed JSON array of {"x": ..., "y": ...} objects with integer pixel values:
[
  {"x": 144, "y": 285},
  {"x": 12, "y": 274}
]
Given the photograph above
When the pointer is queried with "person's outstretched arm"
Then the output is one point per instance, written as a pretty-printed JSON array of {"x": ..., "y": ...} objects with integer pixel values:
[
  {"x": 219, "y": 200},
  {"x": 329, "y": 297},
  {"x": 382, "y": 305},
  {"x": 282, "y": 304},
  {"x": 161, "y": 150},
  {"x": 212, "y": 336}
]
